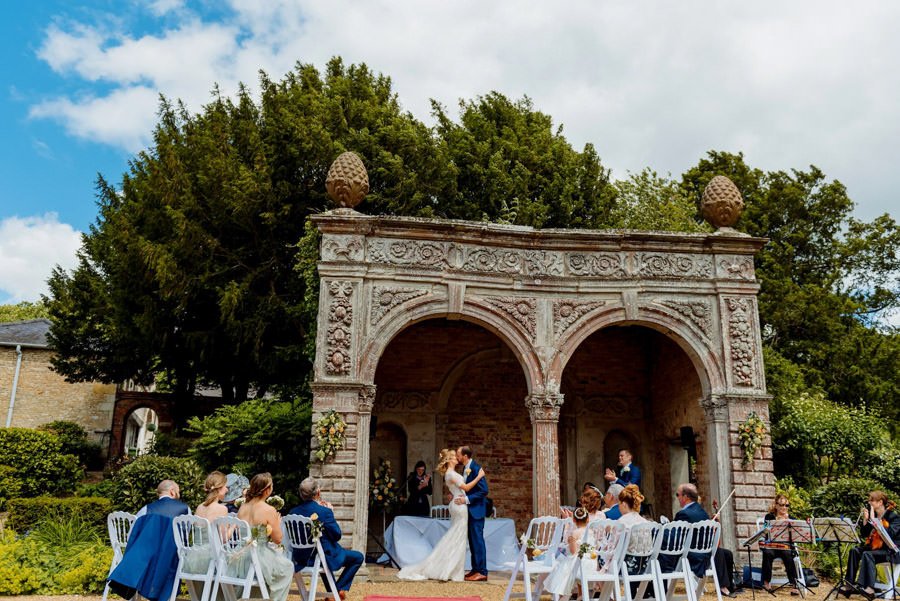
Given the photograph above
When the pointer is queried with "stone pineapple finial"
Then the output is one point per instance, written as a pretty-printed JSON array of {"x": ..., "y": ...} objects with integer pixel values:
[
  {"x": 347, "y": 182},
  {"x": 722, "y": 203}
]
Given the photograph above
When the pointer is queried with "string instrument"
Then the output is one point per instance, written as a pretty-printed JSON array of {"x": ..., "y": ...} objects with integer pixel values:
[{"x": 874, "y": 540}]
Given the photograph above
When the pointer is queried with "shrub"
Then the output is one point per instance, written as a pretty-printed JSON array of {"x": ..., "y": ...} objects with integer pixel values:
[
  {"x": 798, "y": 497},
  {"x": 39, "y": 463},
  {"x": 25, "y": 514},
  {"x": 260, "y": 435},
  {"x": 66, "y": 531},
  {"x": 10, "y": 485},
  {"x": 844, "y": 497},
  {"x": 884, "y": 466},
  {"x": 135, "y": 484},
  {"x": 29, "y": 565},
  {"x": 74, "y": 440}
]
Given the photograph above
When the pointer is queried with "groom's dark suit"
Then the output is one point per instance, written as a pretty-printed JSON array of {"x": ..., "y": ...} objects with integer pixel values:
[{"x": 477, "y": 511}]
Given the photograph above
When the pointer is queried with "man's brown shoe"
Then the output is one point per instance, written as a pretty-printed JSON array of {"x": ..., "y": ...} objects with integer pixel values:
[
  {"x": 476, "y": 577},
  {"x": 342, "y": 595}
]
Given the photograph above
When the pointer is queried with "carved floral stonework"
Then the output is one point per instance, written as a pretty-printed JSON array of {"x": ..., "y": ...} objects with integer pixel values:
[
  {"x": 404, "y": 400},
  {"x": 366, "y": 399},
  {"x": 696, "y": 311},
  {"x": 544, "y": 406},
  {"x": 386, "y": 299},
  {"x": 415, "y": 253},
  {"x": 740, "y": 337},
  {"x": 519, "y": 308},
  {"x": 737, "y": 268},
  {"x": 715, "y": 408},
  {"x": 567, "y": 311},
  {"x": 340, "y": 326},
  {"x": 607, "y": 265},
  {"x": 342, "y": 248},
  {"x": 669, "y": 265},
  {"x": 512, "y": 261}
]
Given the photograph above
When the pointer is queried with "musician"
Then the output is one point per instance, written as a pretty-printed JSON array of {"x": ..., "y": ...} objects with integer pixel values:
[
  {"x": 862, "y": 560},
  {"x": 779, "y": 511}
]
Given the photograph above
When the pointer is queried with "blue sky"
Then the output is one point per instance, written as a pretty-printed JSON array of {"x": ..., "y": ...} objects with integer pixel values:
[{"x": 650, "y": 84}]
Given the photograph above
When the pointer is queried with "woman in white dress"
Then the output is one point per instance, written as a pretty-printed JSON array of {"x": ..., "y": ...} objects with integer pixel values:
[{"x": 447, "y": 560}]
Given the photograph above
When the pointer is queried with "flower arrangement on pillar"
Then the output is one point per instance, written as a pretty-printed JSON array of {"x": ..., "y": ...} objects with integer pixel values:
[
  {"x": 751, "y": 434},
  {"x": 384, "y": 493},
  {"x": 329, "y": 431}
]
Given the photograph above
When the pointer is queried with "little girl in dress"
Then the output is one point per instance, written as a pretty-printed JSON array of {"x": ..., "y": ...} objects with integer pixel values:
[{"x": 562, "y": 577}]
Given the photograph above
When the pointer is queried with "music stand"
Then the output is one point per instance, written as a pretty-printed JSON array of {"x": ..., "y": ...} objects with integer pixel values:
[
  {"x": 837, "y": 531},
  {"x": 889, "y": 543},
  {"x": 749, "y": 543},
  {"x": 791, "y": 532}
]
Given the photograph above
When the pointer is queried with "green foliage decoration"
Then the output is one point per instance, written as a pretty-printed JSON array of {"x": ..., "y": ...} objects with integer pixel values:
[
  {"x": 259, "y": 435},
  {"x": 751, "y": 434},
  {"x": 40, "y": 465},
  {"x": 74, "y": 440},
  {"x": 135, "y": 484},
  {"x": 329, "y": 430},
  {"x": 25, "y": 514}
]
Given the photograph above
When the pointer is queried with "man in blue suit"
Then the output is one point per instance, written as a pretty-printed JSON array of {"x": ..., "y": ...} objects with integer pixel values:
[
  {"x": 336, "y": 556},
  {"x": 475, "y": 499},
  {"x": 628, "y": 473}
]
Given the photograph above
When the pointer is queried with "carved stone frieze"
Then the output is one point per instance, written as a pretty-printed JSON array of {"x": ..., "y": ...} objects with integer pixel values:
[
  {"x": 740, "y": 340},
  {"x": 567, "y": 311},
  {"x": 512, "y": 261},
  {"x": 736, "y": 268},
  {"x": 670, "y": 265},
  {"x": 340, "y": 327},
  {"x": 544, "y": 406},
  {"x": 404, "y": 400},
  {"x": 604, "y": 265},
  {"x": 698, "y": 312},
  {"x": 386, "y": 299},
  {"x": 416, "y": 253},
  {"x": 521, "y": 309},
  {"x": 614, "y": 407},
  {"x": 715, "y": 408},
  {"x": 342, "y": 248}
]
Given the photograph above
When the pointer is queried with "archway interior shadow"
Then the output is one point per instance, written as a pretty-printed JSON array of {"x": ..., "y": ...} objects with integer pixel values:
[
  {"x": 630, "y": 386},
  {"x": 449, "y": 383}
]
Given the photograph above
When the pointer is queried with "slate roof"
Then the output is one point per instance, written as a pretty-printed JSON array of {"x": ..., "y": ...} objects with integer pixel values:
[{"x": 32, "y": 332}]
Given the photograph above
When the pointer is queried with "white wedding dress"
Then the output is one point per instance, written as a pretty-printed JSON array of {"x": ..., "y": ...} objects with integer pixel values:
[{"x": 447, "y": 560}]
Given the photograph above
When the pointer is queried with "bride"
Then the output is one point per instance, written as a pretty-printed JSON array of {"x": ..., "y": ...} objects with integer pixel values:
[{"x": 448, "y": 558}]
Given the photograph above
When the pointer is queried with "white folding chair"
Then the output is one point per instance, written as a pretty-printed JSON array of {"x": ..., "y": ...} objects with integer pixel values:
[
  {"x": 298, "y": 537},
  {"x": 890, "y": 587},
  {"x": 643, "y": 543},
  {"x": 237, "y": 563},
  {"x": 704, "y": 540},
  {"x": 119, "y": 524},
  {"x": 194, "y": 544},
  {"x": 671, "y": 555},
  {"x": 547, "y": 533},
  {"x": 610, "y": 538},
  {"x": 440, "y": 512}
]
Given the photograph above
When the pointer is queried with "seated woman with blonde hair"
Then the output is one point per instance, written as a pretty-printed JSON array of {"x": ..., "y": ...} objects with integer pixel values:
[{"x": 212, "y": 506}]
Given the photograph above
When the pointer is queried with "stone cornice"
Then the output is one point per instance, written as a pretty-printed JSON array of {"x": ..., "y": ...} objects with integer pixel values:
[{"x": 347, "y": 222}]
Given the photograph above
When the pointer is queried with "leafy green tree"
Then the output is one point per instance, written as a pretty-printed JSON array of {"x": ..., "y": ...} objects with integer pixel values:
[
  {"x": 646, "y": 201},
  {"x": 23, "y": 311}
]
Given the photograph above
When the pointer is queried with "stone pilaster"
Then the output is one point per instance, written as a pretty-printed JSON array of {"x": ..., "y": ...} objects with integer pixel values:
[
  {"x": 715, "y": 409},
  {"x": 544, "y": 411},
  {"x": 361, "y": 508}
]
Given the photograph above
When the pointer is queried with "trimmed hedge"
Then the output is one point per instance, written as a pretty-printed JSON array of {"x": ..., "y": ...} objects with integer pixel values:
[
  {"x": 845, "y": 497},
  {"x": 135, "y": 484},
  {"x": 25, "y": 514},
  {"x": 40, "y": 466}
]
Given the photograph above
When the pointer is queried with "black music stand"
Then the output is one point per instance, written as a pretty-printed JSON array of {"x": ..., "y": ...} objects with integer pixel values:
[
  {"x": 749, "y": 543},
  {"x": 889, "y": 543},
  {"x": 791, "y": 532},
  {"x": 838, "y": 531}
]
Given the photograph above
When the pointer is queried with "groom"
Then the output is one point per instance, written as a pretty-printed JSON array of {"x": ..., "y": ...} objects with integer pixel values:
[{"x": 475, "y": 501}]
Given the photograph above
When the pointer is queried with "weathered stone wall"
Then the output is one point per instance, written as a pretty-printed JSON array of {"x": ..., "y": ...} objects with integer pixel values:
[
  {"x": 754, "y": 484},
  {"x": 44, "y": 396}
]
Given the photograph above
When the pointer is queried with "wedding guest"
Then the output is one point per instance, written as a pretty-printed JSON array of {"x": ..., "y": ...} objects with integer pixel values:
[
  {"x": 562, "y": 577},
  {"x": 236, "y": 486},
  {"x": 168, "y": 501},
  {"x": 566, "y": 512},
  {"x": 336, "y": 556},
  {"x": 862, "y": 559},
  {"x": 630, "y": 500},
  {"x": 611, "y": 510},
  {"x": 779, "y": 511},
  {"x": 627, "y": 472},
  {"x": 265, "y": 524},
  {"x": 592, "y": 502},
  {"x": 212, "y": 506},
  {"x": 418, "y": 483}
]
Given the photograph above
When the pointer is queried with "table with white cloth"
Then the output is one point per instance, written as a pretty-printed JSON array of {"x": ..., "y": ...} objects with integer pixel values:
[{"x": 410, "y": 540}]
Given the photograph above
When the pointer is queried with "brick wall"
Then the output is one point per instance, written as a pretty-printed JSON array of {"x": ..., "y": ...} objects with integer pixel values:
[
  {"x": 43, "y": 395},
  {"x": 755, "y": 484}
]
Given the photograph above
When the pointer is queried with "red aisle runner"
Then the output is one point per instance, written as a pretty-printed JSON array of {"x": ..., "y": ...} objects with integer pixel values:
[{"x": 400, "y": 598}]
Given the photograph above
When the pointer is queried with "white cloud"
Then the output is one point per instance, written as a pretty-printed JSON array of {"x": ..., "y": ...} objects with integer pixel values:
[
  {"x": 29, "y": 248},
  {"x": 650, "y": 84},
  {"x": 161, "y": 7}
]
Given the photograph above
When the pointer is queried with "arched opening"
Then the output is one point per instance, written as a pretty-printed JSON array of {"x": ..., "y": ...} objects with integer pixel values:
[
  {"x": 450, "y": 383},
  {"x": 630, "y": 386},
  {"x": 141, "y": 427},
  {"x": 388, "y": 443}
]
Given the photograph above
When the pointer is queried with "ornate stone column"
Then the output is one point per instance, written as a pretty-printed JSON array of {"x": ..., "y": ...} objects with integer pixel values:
[
  {"x": 544, "y": 411},
  {"x": 361, "y": 505},
  {"x": 718, "y": 449}
]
